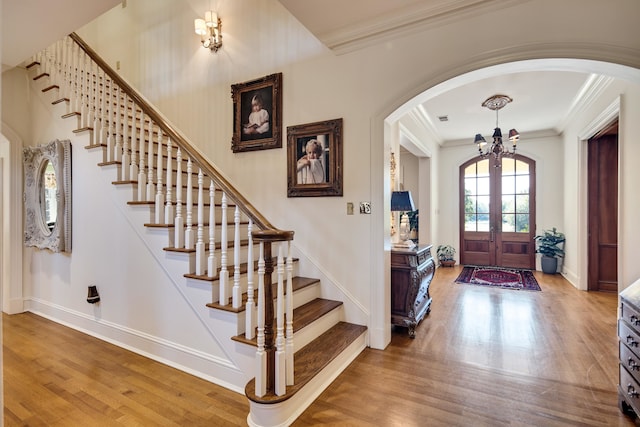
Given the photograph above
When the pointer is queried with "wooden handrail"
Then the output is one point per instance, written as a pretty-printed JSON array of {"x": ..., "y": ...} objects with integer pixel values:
[{"x": 176, "y": 137}]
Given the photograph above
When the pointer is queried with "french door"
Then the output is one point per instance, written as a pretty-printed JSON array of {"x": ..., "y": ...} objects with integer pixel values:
[{"x": 497, "y": 212}]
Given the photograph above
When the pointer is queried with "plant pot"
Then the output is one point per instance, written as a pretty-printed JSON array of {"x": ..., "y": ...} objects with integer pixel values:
[
  {"x": 549, "y": 264},
  {"x": 447, "y": 262}
]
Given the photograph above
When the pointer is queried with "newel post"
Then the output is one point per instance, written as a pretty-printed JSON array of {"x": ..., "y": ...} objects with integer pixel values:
[{"x": 266, "y": 354}]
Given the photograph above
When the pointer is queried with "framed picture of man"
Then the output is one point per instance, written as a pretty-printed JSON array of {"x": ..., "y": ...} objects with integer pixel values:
[
  {"x": 257, "y": 117},
  {"x": 314, "y": 159}
]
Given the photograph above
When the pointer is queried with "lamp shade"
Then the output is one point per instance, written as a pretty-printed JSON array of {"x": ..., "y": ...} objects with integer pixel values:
[
  {"x": 200, "y": 27},
  {"x": 514, "y": 135},
  {"x": 479, "y": 139},
  {"x": 401, "y": 201}
]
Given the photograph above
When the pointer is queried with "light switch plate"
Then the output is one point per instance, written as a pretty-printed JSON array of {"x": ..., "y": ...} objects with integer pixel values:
[{"x": 349, "y": 208}]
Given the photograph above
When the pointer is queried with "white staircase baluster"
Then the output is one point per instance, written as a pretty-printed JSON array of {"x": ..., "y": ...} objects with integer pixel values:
[
  {"x": 142, "y": 177},
  {"x": 133, "y": 167},
  {"x": 261, "y": 355},
  {"x": 160, "y": 219},
  {"x": 280, "y": 368},
  {"x": 111, "y": 126},
  {"x": 118, "y": 138},
  {"x": 94, "y": 116},
  {"x": 84, "y": 111},
  {"x": 151, "y": 188},
  {"x": 169, "y": 211},
  {"x": 77, "y": 80},
  {"x": 126, "y": 156},
  {"x": 101, "y": 130},
  {"x": 188, "y": 233},
  {"x": 224, "y": 272},
  {"x": 236, "y": 295},
  {"x": 289, "y": 317},
  {"x": 250, "y": 315},
  {"x": 179, "y": 223},
  {"x": 200, "y": 249},
  {"x": 212, "y": 265}
]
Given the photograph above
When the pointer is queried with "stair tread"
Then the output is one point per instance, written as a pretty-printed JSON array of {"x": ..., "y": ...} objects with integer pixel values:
[
  {"x": 298, "y": 283},
  {"x": 230, "y": 244},
  {"x": 311, "y": 359},
  {"x": 230, "y": 268},
  {"x": 302, "y": 316}
]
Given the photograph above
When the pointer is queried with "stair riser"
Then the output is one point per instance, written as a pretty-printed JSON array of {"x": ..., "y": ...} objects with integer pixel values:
[{"x": 307, "y": 334}]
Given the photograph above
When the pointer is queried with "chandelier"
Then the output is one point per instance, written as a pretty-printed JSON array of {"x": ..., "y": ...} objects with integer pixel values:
[{"x": 495, "y": 103}]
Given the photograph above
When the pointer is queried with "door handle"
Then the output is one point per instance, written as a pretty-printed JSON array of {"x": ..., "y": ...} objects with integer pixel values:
[{"x": 492, "y": 233}]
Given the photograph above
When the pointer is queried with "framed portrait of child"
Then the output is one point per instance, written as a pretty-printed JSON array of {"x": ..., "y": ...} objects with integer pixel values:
[
  {"x": 314, "y": 159},
  {"x": 257, "y": 117}
]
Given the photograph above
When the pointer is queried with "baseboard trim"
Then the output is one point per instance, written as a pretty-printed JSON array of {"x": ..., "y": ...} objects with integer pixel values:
[{"x": 186, "y": 359}]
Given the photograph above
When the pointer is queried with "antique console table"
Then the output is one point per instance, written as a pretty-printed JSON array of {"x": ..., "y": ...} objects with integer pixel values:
[
  {"x": 629, "y": 350},
  {"x": 411, "y": 274}
]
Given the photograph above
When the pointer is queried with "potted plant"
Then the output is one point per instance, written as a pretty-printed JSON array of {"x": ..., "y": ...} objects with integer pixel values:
[
  {"x": 549, "y": 245},
  {"x": 445, "y": 255}
]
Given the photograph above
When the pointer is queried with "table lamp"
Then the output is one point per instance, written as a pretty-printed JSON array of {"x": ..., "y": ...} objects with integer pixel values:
[{"x": 401, "y": 201}]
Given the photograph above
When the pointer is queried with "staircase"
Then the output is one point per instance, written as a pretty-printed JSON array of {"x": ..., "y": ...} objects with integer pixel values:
[{"x": 300, "y": 340}]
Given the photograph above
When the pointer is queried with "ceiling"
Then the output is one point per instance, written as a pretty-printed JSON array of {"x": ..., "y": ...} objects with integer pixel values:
[
  {"x": 542, "y": 100},
  {"x": 28, "y": 26}
]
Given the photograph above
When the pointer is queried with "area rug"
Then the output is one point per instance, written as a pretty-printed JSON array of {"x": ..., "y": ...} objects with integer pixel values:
[{"x": 507, "y": 278}]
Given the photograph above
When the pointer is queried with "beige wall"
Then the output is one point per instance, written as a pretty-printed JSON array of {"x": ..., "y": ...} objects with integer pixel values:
[{"x": 160, "y": 55}]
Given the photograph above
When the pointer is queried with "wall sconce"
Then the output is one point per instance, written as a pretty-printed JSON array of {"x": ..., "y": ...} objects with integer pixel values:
[{"x": 210, "y": 30}]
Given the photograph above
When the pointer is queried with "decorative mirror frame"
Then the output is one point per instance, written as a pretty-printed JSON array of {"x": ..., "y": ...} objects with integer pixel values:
[{"x": 35, "y": 160}]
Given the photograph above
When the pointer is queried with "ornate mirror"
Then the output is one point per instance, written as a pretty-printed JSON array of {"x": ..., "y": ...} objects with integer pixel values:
[{"x": 47, "y": 196}]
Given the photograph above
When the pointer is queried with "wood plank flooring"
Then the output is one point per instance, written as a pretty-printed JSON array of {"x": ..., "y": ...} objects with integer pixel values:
[{"x": 482, "y": 357}]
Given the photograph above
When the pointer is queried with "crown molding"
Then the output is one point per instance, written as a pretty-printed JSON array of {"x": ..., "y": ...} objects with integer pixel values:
[
  {"x": 591, "y": 90},
  {"x": 404, "y": 22}
]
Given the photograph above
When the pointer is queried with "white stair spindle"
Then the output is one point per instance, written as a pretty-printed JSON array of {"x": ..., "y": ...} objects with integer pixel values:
[
  {"x": 179, "y": 222},
  {"x": 101, "y": 133},
  {"x": 126, "y": 157},
  {"x": 201, "y": 254},
  {"x": 289, "y": 317},
  {"x": 189, "y": 240},
  {"x": 236, "y": 295},
  {"x": 133, "y": 167},
  {"x": 280, "y": 367},
  {"x": 77, "y": 80},
  {"x": 212, "y": 265},
  {"x": 118, "y": 137},
  {"x": 95, "y": 104},
  {"x": 151, "y": 188},
  {"x": 111, "y": 126},
  {"x": 250, "y": 315},
  {"x": 142, "y": 177},
  {"x": 160, "y": 219},
  {"x": 169, "y": 211},
  {"x": 261, "y": 355},
  {"x": 224, "y": 272}
]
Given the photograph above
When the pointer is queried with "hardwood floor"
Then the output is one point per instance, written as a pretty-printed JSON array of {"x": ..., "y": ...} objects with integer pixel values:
[{"x": 482, "y": 357}]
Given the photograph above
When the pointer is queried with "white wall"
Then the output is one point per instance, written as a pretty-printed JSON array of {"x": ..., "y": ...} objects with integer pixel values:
[
  {"x": 577, "y": 132},
  {"x": 161, "y": 56}
]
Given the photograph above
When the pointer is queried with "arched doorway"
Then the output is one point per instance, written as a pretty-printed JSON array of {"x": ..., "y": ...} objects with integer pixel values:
[{"x": 497, "y": 211}]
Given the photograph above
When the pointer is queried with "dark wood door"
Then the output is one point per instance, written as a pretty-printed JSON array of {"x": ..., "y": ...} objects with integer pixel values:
[
  {"x": 497, "y": 214},
  {"x": 603, "y": 210}
]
